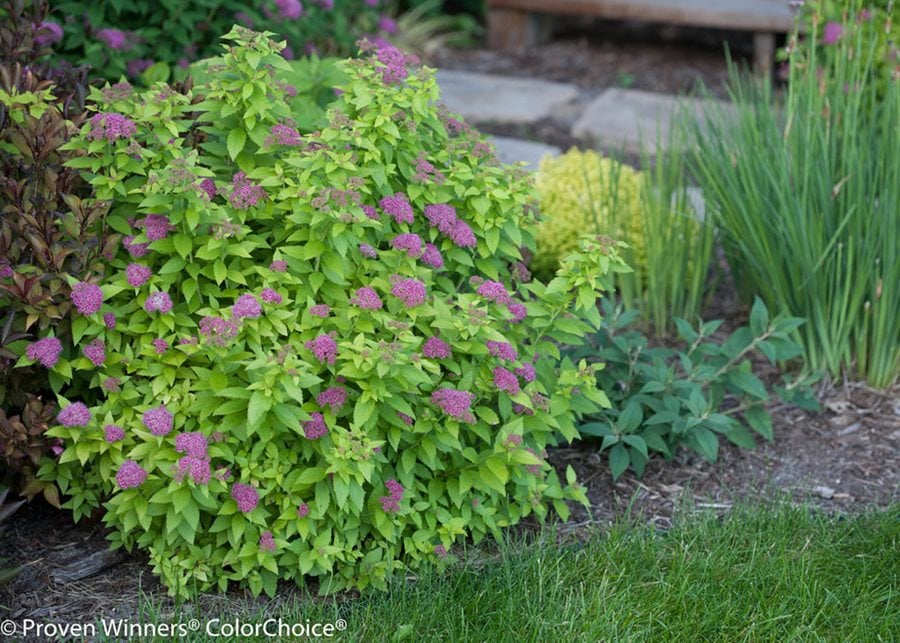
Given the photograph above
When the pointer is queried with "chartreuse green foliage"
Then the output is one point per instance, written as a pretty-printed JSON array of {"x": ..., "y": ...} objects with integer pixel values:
[
  {"x": 803, "y": 189},
  {"x": 689, "y": 396},
  {"x": 267, "y": 407},
  {"x": 577, "y": 191},
  {"x": 669, "y": 243}
]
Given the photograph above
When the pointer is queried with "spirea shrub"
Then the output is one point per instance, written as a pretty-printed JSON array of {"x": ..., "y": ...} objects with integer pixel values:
[
  {"x": 382, "y": 407},
  {"x": 150, "y": 40},
  {"x": 577, "y": 192}
]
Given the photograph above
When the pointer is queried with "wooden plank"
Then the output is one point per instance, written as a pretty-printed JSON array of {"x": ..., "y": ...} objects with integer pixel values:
[
  {"x": 763, "y": 52},
  {"x": 507, "y": 29},
  {"x": 511, "y": 29},
  {"x": 742, "y": 15}
]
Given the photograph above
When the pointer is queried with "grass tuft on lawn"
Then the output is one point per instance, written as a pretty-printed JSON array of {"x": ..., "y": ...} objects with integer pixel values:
[{"x": 756, "y": 574}]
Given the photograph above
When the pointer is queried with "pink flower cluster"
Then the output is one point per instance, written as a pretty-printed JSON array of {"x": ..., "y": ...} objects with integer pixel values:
[
  {"x": 266, "y": 539},
  {"x": 456, "y": 404},
  {"x": 289, "y": 9},
  {"x": 218, "y": 331},
  {"x": 315, "y": 427},
  {"x": 270, "y": 296},
  {"x": 111, "y": 126},
  {"x": 324, "y": 348},
  {"x": 443, "y": 217},
  {"x": 370, "y": 212},
  {"x": 158, "y": 302},
  {"x": 436, "y": 348},
  {"x": 395, "y": 61},
  {"x": 76, "y": 414},
  {"x": 158, "y": 420},
  {"x": 410, "y": 291},
  {"x": 115, "y": 39},
  {"x": 398, "y": 207},
  {"x": 406, "y": 419},
  {"x": 48, "y": 34},
  {"x": 86, "y": 297},
  {"x": 518, "y": 311},
  {"x": 367, "y": 298},
  {"x": 391, "y": 502},
  {"x": 197, "y": 469},
  {"x": 192, "y": 443},
  {"x": 367, "y": 251},
  {"x": 209, "y": 186},
  {"x": 246, "y": 306},
  {"x": 46, "y": 351},
  {"x": 527, "y": 372},
  {"x": 333, "y": 397},
  {"x": 109, "y": 320},
  {"x": 245, "y": 496},
  {"x": 160, "y": 345},
  {"x": 506, "y": 380},
  {"x": 503, "y": 350},
  {"x": 432, "y": 256},
  {"x": 286, "y": 135},
  {"x": 303, "y": 510},
  {"x": 245, "y": 193},
  {"x": 440, "y": 551},
  {"x": 113, "y": 433},
  {"x": 409, "y": 242},
  {"x": 130, "y": 475},
  {"x": 279, "y": 265},
  {"x": 156, "y": 226},
  {"x": 495, "y": 291},
  {"x": 137, "y": 275},
  {"x": 136, "y": 250},
  {"x": 96, "y": 352},
  {"x": 320, "y": 310}
]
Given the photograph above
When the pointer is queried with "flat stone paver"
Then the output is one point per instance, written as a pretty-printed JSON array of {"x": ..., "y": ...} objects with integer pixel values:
[
  {"x": 512, "y": 150},
  {"x": 485, "y": 97},
  {"x": 622, "y": 118}
]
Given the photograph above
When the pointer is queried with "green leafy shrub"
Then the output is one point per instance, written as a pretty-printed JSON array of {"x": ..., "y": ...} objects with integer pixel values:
[
  {"x": 669, "y": 244},
  {"x": 690, "y": 396},
  {"x": 321, "y": 356},
  {"x": 47, "y": 233},
  {"x": 577, "y": 191},
  {"x": 803, "y": 189},
  {"x": 154, "y": 39},
  {"x": 829, "y": 24}
]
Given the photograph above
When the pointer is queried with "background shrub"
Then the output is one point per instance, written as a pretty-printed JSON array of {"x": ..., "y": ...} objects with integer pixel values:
[
  {"x": 152, "y": 39},
  {"x": 669, "y": 242},
  {"x": 47, "y": 233},
  {"x": 288, "y": 381}
]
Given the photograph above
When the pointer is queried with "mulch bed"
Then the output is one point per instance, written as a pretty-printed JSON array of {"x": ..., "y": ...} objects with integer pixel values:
[{"x": 842, "y": 458}]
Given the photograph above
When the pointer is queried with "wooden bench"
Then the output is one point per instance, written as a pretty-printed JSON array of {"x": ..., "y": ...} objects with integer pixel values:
[{"x": 520, "y": 23}]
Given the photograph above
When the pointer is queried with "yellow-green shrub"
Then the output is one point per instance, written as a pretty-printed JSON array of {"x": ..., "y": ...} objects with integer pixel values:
[{"x": 577, "y": 191}]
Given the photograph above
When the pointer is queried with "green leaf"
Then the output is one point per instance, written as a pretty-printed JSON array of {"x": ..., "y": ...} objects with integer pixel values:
[
  {"x": 618, "y": 460},
  {"x": 237, "y": 138},
  {"x": 631, "y": 417},
  {"x": 760, "y": 421},
  {"x": 707, "y": 443},
  {"x": 748, "y": 383},
  {"x": 637, "y": 442},
  {"x": 759, "y": 318},
  {"x": 257, "y": 409},
  {"x": 183, "y": 245}
]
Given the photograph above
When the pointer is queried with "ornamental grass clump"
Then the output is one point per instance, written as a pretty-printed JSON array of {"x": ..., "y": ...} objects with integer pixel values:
[
  {"x": 356, "y": 425},
  {"x": 804, "y": 190}
]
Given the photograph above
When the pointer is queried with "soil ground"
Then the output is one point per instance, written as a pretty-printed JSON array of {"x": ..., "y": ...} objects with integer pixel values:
[{"x": 843, "y": 458}]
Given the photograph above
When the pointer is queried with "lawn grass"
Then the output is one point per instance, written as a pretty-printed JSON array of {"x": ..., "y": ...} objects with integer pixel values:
[{"x": 759, "y": 574}]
